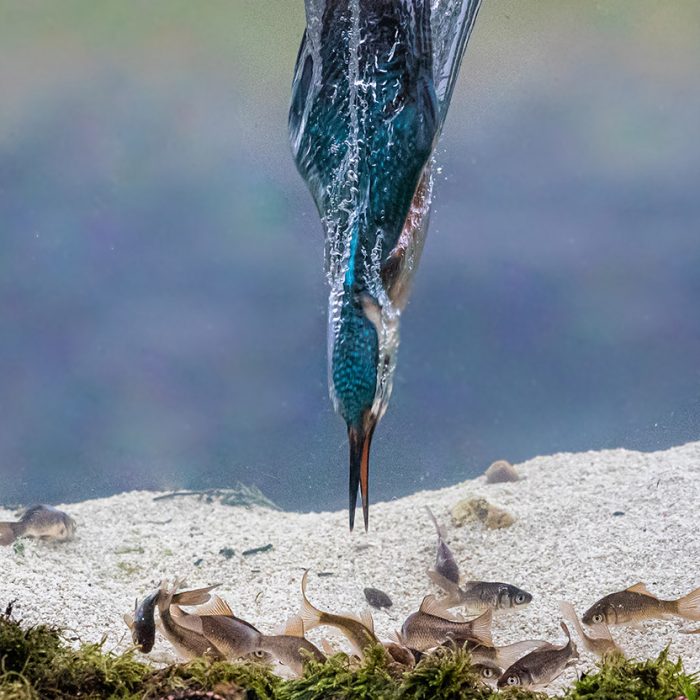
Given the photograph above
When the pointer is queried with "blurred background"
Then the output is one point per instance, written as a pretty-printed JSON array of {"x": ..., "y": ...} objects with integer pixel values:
[{"x": 162, "y": 296}]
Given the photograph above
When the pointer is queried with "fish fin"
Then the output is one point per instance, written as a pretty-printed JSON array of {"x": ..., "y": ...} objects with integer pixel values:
[
  {"x": 367, "y": 620},
  {"x": 8, "y": 533},
  {"x": 396, "y": 637},
  {"x": 215, "y": 606},
  {"x": 431, "y": 606},
  {"x": 570, "y": 642},
  {"x": 689, "y": 605},
  {"x": 640, "y": 588},
  {"x": 328, "y": 650},
  {"x": 439, "y": 528},
  {"x": 129, "y": 619},
  {"x": 452, "y": 589},
  {"x": 507, "y": 655},
  {"x": 481, "y": 628},
  {"x": 310, "y": 615},
  {"x": 197, "y": 596},
  {"x": 696, "y": 631},
  {"x": 294, "y": 627},
  {"x": 166, "y": 595},
  {"x": 190, "y": 622}
]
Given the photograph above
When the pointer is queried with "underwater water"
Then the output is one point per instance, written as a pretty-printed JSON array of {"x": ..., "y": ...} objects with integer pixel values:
[{"x": 162, "y": 294}]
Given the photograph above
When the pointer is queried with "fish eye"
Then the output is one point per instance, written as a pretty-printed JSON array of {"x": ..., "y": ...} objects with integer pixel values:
[
  {"x": 598, "y": 617},
  {"x": 487, "y": 672},
  {"x": 259, "y": 654},
  {"x": 512, "y": 680},
  {"x": 520, "y": 598}
]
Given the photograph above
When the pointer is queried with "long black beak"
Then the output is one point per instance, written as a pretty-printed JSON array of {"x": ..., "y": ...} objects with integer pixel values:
[{"x": 360, "y": 440}]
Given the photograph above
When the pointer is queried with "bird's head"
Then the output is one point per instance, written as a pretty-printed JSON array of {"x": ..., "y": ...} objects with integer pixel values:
[{"x": 361, "y": 364}]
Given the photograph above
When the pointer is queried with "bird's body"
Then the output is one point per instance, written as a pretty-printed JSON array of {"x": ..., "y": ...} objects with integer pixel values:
[{"x": 364, "y": 120}]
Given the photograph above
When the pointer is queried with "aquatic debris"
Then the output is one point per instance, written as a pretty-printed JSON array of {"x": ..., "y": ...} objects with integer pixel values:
[
  {"x": 239, "y": 495},
  {"x": 377, "y": 598},
  {"x": 501, "y": 472},
  {"x": 540, "y": 667},
  {"x": 257, "y": 550},
  {"x": 227, "y": 552},
  {"x": 635, "y": 604},
  {"x": 480, "y": 510},
  {"x": 41, "y": 522},
  {"x": 445, "y": 564}
]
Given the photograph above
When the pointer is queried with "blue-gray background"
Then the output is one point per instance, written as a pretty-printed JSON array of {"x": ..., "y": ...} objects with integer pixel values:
[{"x": 162, "y": 300}]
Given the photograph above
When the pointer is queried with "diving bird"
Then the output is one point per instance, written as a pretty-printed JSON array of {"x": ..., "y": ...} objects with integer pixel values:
[{"x": 371, "y": 88}]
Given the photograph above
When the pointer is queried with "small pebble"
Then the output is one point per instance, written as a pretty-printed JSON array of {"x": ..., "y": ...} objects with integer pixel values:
[
  {"x": 501, "y": 472},
  {"x": 227, "y": 552},
  {"x": 377, "y": 598},
  {"x": 618, "y": 513}
]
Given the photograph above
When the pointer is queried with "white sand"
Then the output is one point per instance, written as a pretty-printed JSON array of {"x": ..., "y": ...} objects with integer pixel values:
[{"x": 565, "y": 544}]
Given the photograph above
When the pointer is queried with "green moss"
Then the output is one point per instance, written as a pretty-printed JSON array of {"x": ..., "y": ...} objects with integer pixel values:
[
  {"x": 657, "y": 679},
  {"x": 36, "y": 664}
]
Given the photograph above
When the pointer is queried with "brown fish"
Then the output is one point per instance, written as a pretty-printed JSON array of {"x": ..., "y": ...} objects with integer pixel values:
[
  {"x": 358, "y": 630},
  {"x": 432, "y": 625},
  {"x": 635, "y": 604},
  {"x": 600, "y": 643},
  {"x": 445, "y": 564},
  {"x": 231, "y": 636},
  {"x": 503, "y": 656},
  {"x": 541, "y": 666},
  {"x": 40, "y": 521},
  {"x": 477, "y": 596},
  {"x": 291, "y": 648},
  {"x": 186, "y": 636}
]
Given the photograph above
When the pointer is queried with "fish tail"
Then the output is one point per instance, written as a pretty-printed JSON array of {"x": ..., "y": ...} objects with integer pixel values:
[
  {"x": 9, "y": 532},
  {"x": 481, "y": 628},
  {"x": 570, "y": 643},
  {"x": 689, "y": 605},
  {"x": 310, "y": 616},
  {"x": 440, "y": 530}
]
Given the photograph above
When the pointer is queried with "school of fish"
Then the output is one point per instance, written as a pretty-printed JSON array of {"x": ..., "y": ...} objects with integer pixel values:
[{"x": 211, "y": 629}]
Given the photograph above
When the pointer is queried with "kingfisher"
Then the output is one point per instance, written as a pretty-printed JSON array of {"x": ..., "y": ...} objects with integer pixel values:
[{"x": 371, "y": 88}]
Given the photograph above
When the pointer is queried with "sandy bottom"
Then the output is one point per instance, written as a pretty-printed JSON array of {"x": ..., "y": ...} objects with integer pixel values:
[{"x": 565, "y": 544}]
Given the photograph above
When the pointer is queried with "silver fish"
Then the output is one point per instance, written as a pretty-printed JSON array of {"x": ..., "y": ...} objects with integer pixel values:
[
  {"x": 432, "y": 625},
  {"x": 478, "y": 596},
  {"x": 541, "y": 666},
  {"x": 40, "y": 521},
  {"x": 635, "y": 604},
  {"x": 445, "y": 564}
]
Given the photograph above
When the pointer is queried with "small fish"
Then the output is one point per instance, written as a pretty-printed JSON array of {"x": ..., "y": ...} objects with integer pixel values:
[
  {"x": 186, "y": 636},
  {"x": 377, "y": 598},
  {"x": 478, "y": 596},
  {"x": 291, "y": 648},
  {"x": 601, "y": 643},
  {"x": 143, "y": 624},
  {"x": 445, "y": 564},
  {"x": 42, "y": 522},
  {"x": 232, "y": 637},
  {"x": 541, "y": 666},
  {"x": 489, "y": 673},
  {"x": 358, "y": 630},
  {"x": 635, "y": 604},
  {"x": 432, "y": 626},
  {"x": 503, "y": 656},
  {"x": 400, "y": 654}
]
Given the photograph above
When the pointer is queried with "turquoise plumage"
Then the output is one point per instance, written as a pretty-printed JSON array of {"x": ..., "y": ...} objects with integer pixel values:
[{"x": 371, "y": 89}]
